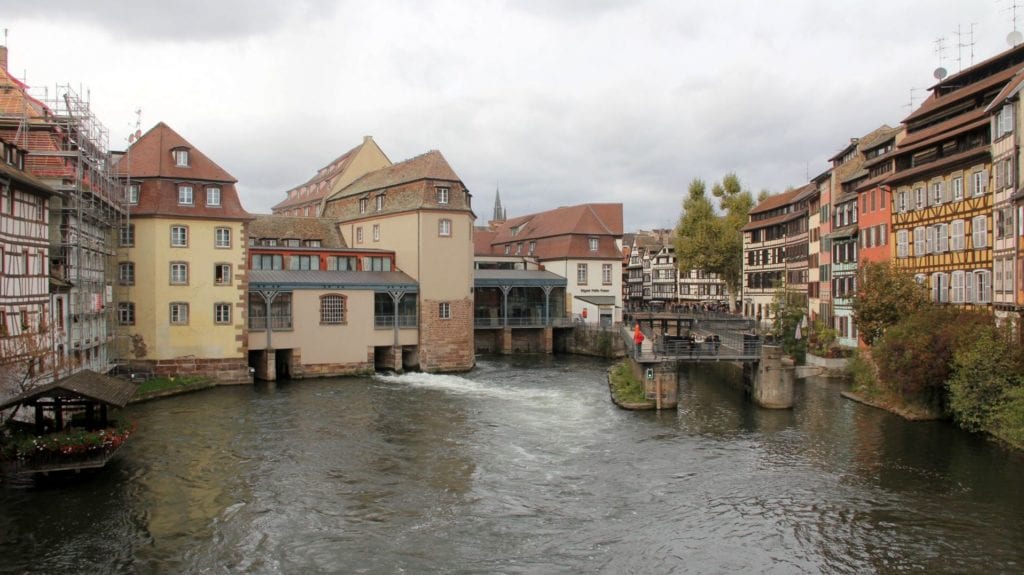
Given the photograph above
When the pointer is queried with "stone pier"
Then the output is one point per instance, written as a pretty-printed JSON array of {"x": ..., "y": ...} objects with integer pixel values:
[
  {"x": 660, "y": 380},
  {"x": 772, "y": 383}
]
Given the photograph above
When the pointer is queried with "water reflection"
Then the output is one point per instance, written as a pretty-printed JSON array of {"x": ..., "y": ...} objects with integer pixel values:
[{"x": 524, "y": 466}]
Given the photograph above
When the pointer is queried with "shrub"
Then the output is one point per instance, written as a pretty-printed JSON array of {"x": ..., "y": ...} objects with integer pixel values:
[{"x": 987, "y": 368}]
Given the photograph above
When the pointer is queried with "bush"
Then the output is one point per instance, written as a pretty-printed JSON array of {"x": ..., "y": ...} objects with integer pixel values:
[
  {"x": 986, "y": 369},
  {"x": 626, "y": 387},
  {"x": 915, "y": 355},
  {"x": 1008, "y": 418}
]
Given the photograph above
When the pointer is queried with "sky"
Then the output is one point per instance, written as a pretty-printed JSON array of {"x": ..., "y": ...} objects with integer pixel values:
[{"x": 552, "y": 102}]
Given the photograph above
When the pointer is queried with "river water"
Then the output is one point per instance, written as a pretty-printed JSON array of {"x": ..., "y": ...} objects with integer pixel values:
[{"x": 523, "y": 466}]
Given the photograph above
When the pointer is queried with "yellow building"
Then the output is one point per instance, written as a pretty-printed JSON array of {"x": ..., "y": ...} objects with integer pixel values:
[{"x": 181, "y": 262}]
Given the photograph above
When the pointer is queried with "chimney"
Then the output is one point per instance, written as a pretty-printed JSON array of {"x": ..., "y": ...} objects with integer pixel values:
[{"x": 3, "y": 57}]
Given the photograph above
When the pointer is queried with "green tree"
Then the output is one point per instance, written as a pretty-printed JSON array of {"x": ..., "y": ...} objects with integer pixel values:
[
  {"x": 710, "y": 240},
  {"x": 885, "y": 295},
  {"x": 987, "y": 368},
  {"x": 787, "y": 310}
]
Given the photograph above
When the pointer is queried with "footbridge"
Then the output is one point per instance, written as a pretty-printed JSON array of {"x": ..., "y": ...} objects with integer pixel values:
[{"x": 672, "y": 340}]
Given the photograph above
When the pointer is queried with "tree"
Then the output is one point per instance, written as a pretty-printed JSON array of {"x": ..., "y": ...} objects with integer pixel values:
[
  {"x": 26, "y": 359},
  {"x": 713, "y": 241},
  {"x": 987, "y": 368},
  {"x": 885, "y": 295}
]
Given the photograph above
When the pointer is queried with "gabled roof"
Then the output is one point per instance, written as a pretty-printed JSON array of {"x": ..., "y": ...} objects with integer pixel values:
[
  {"x": 964, "y": 86},
  {"x": 776, "y": 201},
  {"x": 1011, "y": 89},
  {"x": 430, "y": 165},
  {"x": 582, "y": 219},
  {"x": 85, "y": 383},
  {"x": 151, "y": 157},
  {"x": 321, "y": 184},
  {"x": 273, "y": 226}
]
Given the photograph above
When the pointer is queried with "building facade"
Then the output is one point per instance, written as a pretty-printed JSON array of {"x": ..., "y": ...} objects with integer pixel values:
[{"x": 182, "y": 270}]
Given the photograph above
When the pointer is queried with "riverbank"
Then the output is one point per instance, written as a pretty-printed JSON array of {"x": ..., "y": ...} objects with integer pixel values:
[
  {"x": 910, "y": 413},
  {"x": 626, "y": 391},
  {"x": 168, "y": 386}
]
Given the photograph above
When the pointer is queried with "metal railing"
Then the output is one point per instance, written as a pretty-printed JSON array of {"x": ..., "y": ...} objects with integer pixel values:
[
  {"x": 277, "y": 322},
  {"x": 498, "y": 322},
  {"x": 388, "y": 321}
]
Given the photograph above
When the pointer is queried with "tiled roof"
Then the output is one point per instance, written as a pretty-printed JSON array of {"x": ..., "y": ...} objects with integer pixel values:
[
  {"x": 25, "y": 179},
  {"x": 1010, "y": 89},
  {"x": 430, "y": 165},
  {"x": 775, "y": 201},
  {"x": 942, "y": 163},
  {"x": 564, "y": 232},
  {"x": 158, "y": 197},
  {"x": 38, "y": 142},
  {"x": 936, "y": 102},
  {"x": 273, "y": 226},
  {"x": 950, "y": 127},
  {"x": 482, "y": 240},
  {"x": 780, "y": 219},
  {"x": 322, "y": 182},
  {"x": 151, "y": 157}
]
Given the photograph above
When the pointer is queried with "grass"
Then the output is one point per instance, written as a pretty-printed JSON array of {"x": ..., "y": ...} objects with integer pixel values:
[
  {"x": 625, "y": 387},
  {"x": 166, "y": 383}
]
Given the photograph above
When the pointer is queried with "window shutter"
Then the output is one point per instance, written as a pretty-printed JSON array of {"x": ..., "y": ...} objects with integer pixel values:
[
  {"x": 969, "y": 285},
  {"x": 947, "y": 192},
  {"x": 984, "y": 181}
]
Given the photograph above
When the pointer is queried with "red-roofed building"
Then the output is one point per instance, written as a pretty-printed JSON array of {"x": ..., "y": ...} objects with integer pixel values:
[
  {"x": 581, "y": 243},
  {"x": 182, "y": 272}
]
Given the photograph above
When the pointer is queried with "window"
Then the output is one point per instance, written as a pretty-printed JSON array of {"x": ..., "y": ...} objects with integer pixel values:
[
  {"x": 359, "y": 235},
  {"x": 180, "y": 157},
  {"x": 442, "y": 196},
  {"x": 982, "y": 286},
  {"x": 929, "y": 240},
  {"x": 304, "y": 262},
  {"x": 222, "y": 238},
  {"x": 979, "y": 232},
  {"x": 919, "y": 242},
  {"x": 936, "y": 192},
  {"x": 332, "y": 309},
  {"x": 126, "y": 238},
  {"x": 902, "y": 241},
  {"x": 364, "y": 203},
  {"x": 941, "y": 238},
  {"x": 378, "y": 202},
  {"x": 179, "y": 273},
  {"x": 940, "y": 287},
  {"x": 341, "y": 263},
  {"x": 581, "y": 274},
  {"x": 532, "y": 247},
  {"x": 956, "y": 284},
  {"x": 606, "y": 274},
  {"x": 179, "y": 236},
  {"x": 222, "y": 313},
  {"x": 311, "y": 243},
  {"x": 901, "y": 202},
  {"x": 126, "y": 313},
  {"x": 376, "y": 264},
  {"x": 444, "y": 227},
  {"x": 958, "y": 188},
  {"x": 919, "y": 198},
  {"x": 594, "y": 244},
  {"x": 185, "y": 195},
  {"x": 126, "y": 273},
  {"x": 376, "y": 232},
  {"x": 444, "y": 310},
  {"x": 1004, "y": 120},
  {"x": 131, "y": 194},
  {"x": 267, "y": 262},
  {"x": 979, "y": 182},
  {"x": 222, "y": 274},
  {"x": 956, "y": 235},
  {"x": 179, "y": 313},
  {"x": 213, "y": 196}
]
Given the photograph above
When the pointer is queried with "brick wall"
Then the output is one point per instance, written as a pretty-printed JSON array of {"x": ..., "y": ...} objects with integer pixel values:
[
  {"x": 446, "y": 344},
  {"x": 223, "y": 371}
]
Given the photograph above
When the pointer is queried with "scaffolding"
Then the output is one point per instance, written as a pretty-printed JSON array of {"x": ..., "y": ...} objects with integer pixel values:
[{"x": 68, "y": 148}]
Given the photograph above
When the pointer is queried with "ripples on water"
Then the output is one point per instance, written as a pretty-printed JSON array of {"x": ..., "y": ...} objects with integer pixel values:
[{"x": 523, "y": 466}]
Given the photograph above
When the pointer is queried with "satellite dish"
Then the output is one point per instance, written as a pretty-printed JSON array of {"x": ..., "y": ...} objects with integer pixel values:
[
  {"x": 940, "y": 73},
  {"x": 131, "y": 138},
  {"x": 1014, "y": 38}
]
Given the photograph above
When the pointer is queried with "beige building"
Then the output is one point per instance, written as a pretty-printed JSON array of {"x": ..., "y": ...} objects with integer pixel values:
[
  {"x": 420, "y": 210},
  {"x": 181, "y": 262}
]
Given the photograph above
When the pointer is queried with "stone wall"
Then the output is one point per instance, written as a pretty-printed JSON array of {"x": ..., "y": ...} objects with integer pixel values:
[
  {"x": 590, "y": 341},
  {"x": 223, "y": 371},
  {"x": 447, "y": 344}
]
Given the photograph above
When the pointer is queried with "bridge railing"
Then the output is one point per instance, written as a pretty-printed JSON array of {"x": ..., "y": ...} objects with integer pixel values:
[{"x": 699, "y": 344}]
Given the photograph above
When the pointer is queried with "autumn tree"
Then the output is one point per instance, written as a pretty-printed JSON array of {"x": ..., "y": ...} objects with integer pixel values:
[
  {"x": 885, "y": 295},
  {"x": 26, "y": 358},
  {"x": 711, "y": 240}
]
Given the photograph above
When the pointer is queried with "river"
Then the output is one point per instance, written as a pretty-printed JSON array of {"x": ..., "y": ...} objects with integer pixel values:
[{"x": 523, "y": 466}]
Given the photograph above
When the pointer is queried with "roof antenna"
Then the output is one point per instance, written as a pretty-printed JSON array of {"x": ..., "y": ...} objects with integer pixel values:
[
  {"x": 940, "y": 72},
  {"x": 960, "y": 45},
  {"x": 1014, "y": 37}
]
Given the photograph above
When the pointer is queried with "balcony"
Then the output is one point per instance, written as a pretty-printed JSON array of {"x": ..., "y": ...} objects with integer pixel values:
[
  {"x": 388, "y": 321},
  {"x": 277, "y": 322}
]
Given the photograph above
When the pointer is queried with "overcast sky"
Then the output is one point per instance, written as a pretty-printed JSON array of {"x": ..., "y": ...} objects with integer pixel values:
[{"x": 558, "y": 102}]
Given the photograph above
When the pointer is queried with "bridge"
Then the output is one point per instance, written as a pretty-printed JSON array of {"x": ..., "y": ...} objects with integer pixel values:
[{"x": 692, "y": 337}]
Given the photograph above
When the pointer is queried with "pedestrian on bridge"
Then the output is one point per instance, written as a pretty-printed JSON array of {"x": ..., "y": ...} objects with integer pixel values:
[{"x": 638, "y": 338}]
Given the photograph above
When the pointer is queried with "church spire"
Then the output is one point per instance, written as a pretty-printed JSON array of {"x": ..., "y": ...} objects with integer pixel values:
[{"x": 499, "y": 212}]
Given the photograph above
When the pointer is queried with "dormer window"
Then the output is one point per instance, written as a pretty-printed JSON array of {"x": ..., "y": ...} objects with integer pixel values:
[
  {"x": 131, "y": 194},
  {"x": 185, "y": 195},
  {"x": 180, "y": 157},
  {"x": 442, "y": 196},
  {"x": 593, "y": 244},
  {"x": 213, "y": 196},
  {"x": 379, "y": 202}
]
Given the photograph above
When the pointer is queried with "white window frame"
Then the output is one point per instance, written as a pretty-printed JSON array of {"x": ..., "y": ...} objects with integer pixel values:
[
  {"x": 376, "y": 232},
  {"x": 179, "y": 236},
  {"x": 979, "y": 232},
  {"x": 131, "y": 194},
  {"x": 581, "y": 274},
  {"x": 222, "y": 238},
  {"x": 941, "y": 238},
  {"x": 937, "y": 192},
  {"x": 919, "y": 241},
  {"x": 956, "y": 235},
  {"x": 956, "y": 286},
  {"x": 606, "y": 274},
  {"x": 213, "y": 196},
  {"x": 222, "y": 274},
  {"x": 958, "y": 188},
  {"x": 444, "y": 310},
  {"x": 902, "y": 243},
  {"x": 181, "y": 157},
  {"x": 444, "y": 228},
  {"x": 179, "y": 273},
  {"x": 442, "y": 195},
  {"x": 594, "y": 244},
  {"x": 186, "y": 197},
  {"x": 222, "y": 313},
  {"x": 178, "y": 313}
]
